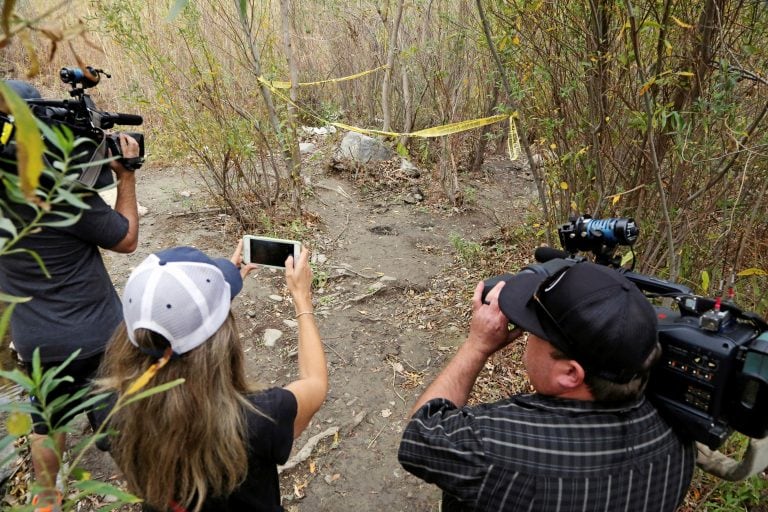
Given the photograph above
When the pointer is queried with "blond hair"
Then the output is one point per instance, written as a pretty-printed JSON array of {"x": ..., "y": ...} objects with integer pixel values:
[{"x": 168, "y": 443}]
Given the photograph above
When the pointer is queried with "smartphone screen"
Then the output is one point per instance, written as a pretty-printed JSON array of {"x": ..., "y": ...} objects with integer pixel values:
[{"x": 270, "y": 252}]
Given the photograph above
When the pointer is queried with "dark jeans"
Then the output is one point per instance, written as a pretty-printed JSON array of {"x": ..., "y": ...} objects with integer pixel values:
[{"x": 81, "y": 371}]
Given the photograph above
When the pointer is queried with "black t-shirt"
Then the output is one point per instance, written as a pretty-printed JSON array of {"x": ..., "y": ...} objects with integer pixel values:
[
  {"x": 270, "y": 442},
  {"x": 270, "y": 439},
  {"x": 77, "y": 307}
]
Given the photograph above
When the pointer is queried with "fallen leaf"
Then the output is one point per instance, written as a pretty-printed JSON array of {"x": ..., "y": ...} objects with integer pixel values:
[{"x": 386, "y": 413}]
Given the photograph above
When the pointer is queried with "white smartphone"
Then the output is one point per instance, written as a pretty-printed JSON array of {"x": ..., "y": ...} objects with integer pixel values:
[{"x": 269, "y": 252}]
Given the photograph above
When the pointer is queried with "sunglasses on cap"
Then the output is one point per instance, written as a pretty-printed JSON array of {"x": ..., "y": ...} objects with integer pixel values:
[
  {"x": 545, "y": 287},
  {"x": 565, "y": 343}
]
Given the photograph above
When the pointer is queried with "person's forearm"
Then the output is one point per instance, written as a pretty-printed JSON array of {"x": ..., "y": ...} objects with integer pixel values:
[
  {"x": 456, "y": 380},
  {"x": 311, "y": 356},
  {"x": 126, "y": 205}
]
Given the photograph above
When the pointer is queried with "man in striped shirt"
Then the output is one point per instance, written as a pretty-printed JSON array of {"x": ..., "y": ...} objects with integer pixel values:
[{"x": 587, "y": 439}]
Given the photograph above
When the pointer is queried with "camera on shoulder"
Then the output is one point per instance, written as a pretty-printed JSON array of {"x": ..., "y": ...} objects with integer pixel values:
[
  {"x": 80, "y": 115},
  {"x": 712, "y": 377}
]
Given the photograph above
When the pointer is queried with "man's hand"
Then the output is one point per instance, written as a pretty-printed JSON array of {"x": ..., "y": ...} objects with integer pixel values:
[
  {"x": 489, "y": 329},
  {"x": 129, "y": 148},
  {"x": 125, "y": 203},
  {"x": 488, "y": 332}
]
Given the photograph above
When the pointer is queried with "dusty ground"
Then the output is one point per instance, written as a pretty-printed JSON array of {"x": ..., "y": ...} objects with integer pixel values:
[
  {"x": 393, "y": 307},
  {"x": 393, "y": 304}
]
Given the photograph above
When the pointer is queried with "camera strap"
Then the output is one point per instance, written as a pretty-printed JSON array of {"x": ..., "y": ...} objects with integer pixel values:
[{"x": 91, "y": 172}]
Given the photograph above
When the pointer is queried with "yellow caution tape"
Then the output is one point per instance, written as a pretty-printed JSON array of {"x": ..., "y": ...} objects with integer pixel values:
[
  {"x": 287, "y": 85},
  {"x": 435, "y": 131},
  {"x": 5, "y": 134},
  {"x": 513, "y": 141}
]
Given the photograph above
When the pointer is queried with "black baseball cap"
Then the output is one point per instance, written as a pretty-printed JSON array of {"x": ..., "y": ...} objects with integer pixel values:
[{"x": 589, "y": 312}]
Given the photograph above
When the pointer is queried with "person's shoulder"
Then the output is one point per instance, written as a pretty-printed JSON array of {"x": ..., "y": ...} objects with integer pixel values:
[{"x": 272, "y": 402}]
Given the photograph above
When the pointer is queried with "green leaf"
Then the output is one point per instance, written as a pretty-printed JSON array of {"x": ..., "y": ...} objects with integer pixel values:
[
  {"x": 29, "y": 143},
  {"x": 87, "y": 404},
  {"x": 24, "y": 406},
  {"x": 67, "y": 220},
  {"x": 54, "y": 371},
  {"x": 752, "y": 272},
  {"x": 5, "y": 318},
  {"x": 71, "y": 198},
  {"x": 80, "y": 474},
  {"x": 153, "y": 391},
  {"x": 13, "y": 299},
  {"x": 35, "y": 257},
  {"x": 5, "y": 442},
  {"x": 8, "y": 6},
  {"x": 20, "y": 378},
  {"x": 18, "y": 424},
  {"x": 91, "y": 487},
  {"x": 88, "y": 441},
  {"x": 704, "y": 281},
  {"x": 7, "y": 225}
]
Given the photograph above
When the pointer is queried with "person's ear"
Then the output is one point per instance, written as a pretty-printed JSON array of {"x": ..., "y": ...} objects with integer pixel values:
[{"x": 569, "y": 374}]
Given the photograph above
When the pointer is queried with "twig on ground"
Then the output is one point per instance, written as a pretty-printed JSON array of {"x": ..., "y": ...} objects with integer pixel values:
[
  {"x": 346, "y": 225},
  {"x": 348, "y": 269},
  {"x": 306, "y": 450},
  {"x": 376, "y": 437},
  {"x": 337, "y": 189},
  {"x": 215, "y": 209},
  {"x": 335, "y": 352}
]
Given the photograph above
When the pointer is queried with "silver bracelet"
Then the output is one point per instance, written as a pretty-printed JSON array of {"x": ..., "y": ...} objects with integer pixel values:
[{"x": 304, "y": 313}]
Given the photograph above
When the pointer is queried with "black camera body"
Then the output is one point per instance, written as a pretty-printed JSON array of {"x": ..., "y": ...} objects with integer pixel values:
[
  {"x": 712, "y": 377},
  {"x": 81, "y": 115}
]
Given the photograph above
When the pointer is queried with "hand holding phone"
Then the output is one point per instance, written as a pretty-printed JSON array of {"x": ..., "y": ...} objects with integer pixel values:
[{"x": 269, "y": 252}]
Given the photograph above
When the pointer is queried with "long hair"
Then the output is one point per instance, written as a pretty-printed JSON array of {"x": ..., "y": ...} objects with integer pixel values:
[{"x": 190, "y": 441}]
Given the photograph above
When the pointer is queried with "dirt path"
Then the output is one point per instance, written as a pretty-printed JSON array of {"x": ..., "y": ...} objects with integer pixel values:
[{"x": 381, "y": 314}]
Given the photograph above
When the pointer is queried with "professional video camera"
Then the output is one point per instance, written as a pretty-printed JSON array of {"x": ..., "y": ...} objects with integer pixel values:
[
  {"x": 712, "y": 377},
  {"x": 81, "y": 116}
]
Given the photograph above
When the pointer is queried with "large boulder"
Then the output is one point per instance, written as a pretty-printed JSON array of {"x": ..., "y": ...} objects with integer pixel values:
[{"x": 363, "y": 149}]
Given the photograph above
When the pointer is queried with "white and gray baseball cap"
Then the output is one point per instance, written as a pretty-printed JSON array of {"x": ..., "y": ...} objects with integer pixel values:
[{"x": 181, "y": 294}]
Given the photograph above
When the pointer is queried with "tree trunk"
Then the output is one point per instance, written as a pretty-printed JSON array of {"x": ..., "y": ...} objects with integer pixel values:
[
  {"x": 266, "y": 93},
  {"x": 295, "y": 169},
  {"x": 387, "y": 82}
]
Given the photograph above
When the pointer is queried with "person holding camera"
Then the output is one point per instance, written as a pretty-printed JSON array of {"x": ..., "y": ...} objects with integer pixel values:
[
  {"x": 587, "y": 438},
  {"x": 76, "y": 306},
  {"x": 214, "y": 442}
]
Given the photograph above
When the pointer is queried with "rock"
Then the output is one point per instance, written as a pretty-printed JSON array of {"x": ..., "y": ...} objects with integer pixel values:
[
  {"x": 387, "y": 278},
  {"x": 290, "y": 323},
  {"x": 318, "y": 130},
  {"x": 409, "y": 169},
  {"x": 271, "y": 336},
  {"x": 306, "y": 148},
  {"x": 110, "y": 197},
  {"x": 251, "y": 313},
  {"x": 185, "y": 193},
  {"x": 318, "y": 258},
  {"x": 276, "y": 298},
  {"x": 363, "y": 149},
  {"x": 414, "y": 196}
]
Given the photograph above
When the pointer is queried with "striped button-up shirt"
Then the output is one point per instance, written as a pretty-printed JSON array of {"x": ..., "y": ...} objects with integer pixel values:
[{"x": 541, "y": 454}]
